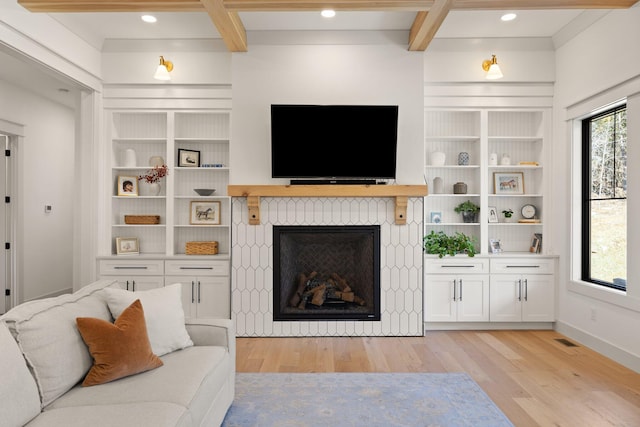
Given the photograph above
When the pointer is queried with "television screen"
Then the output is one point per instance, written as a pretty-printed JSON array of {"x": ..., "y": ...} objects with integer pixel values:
[{"x": 334, "y": 141}]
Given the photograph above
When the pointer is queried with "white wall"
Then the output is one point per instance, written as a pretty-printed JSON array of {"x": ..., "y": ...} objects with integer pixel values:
[
  {"x": 596, "y": 63},
  {"x": 323, "y": 74},
  {"x": 45, "y": 159}
]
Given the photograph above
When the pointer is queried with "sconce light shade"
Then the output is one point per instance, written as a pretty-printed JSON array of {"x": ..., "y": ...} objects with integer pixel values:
[
  {"x": 162, "y": 72},
  {"x": 492, "y": 68}
]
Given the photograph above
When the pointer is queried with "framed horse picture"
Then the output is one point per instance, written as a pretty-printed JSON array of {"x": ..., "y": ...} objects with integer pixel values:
[
  {"x": 508, "y": 183},
  {"x": 204, "y": 213}
]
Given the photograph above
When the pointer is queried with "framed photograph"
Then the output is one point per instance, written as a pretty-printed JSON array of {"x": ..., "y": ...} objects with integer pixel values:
[
  {"x": 188, "y": 158},
  {"x": 494, "y": 245},
  {"x": 493, "y": 214},
  {"x": 508, "y": 183},
  {"x": 436, "y": 217},
  {"x": 127, "y": 185},
  {"x": 127, "y": 246},
  {"x": 536, "y": 243},
  {"x": 205, "y": 213}
]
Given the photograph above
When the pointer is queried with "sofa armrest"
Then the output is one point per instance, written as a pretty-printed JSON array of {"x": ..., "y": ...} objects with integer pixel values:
[{"x": 219, "y": 332}]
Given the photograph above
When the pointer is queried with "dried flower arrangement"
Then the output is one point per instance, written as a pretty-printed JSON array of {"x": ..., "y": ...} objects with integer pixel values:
[{"x": 154, "y": 175}]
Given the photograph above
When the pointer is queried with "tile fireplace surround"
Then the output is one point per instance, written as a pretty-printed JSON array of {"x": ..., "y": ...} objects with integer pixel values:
[{"x": 400, "y": 258}]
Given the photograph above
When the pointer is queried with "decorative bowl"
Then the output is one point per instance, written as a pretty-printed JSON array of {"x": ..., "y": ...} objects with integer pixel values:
[{"x": 204, "y": 191}]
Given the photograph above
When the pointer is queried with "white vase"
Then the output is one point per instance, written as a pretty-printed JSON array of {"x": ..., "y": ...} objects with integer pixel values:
[
  {"x": 154, "y": 189},
  {"x": 130, "y": 158},
  {"x": 156, "y": 161},
  {"x": 438, "y": 186},
  {"x": 493, "y": 159},
  {"x": 437, "y": 158},
  {"x": 505, "y": 160}
]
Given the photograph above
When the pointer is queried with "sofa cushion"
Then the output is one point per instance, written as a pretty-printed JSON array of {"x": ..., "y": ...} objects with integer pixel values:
[
  {"x": 163, "y": 313},
  {"x": 118, "y": 349},
  {"x": 48, "y": 337},
  {"x": 18, "y": 390}
]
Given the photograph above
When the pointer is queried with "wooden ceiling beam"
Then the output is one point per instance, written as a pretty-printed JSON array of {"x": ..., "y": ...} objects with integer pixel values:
[
  {"x": 426, "y": 25},
  {"x": 228, "y": 24}
]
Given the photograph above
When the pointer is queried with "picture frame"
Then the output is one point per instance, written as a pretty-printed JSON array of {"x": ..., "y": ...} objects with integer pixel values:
[
  {"x": 493, "y": 214},
  {"x": 436, "y": 217},
  {"x": 494, "y": 246},
  {"x": 536, "y": 243},
  {"x": 508, "y": 183},
  {"x": 127, "y": 246},
  {"x": 188, "y": 158},
  {"x": 204, "y": 212},
  {"x": 127, "y": 185}
]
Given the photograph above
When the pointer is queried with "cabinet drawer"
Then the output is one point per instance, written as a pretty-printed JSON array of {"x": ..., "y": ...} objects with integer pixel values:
[
  {"x": 197, "y": 268},
  {"x": 521, "y": 265},
  {"x": 130, "y": 267},
  {"x": 463, "y": 265}
]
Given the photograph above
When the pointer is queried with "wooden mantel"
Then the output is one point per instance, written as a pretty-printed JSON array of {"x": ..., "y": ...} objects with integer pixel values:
[{"x": 400, "y": 192}]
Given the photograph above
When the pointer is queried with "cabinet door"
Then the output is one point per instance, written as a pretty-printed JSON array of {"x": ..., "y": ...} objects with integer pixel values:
[
  {"x": 505, "y": 302},
  {"x": 473, "y": 299},
  {"x": 212, "y": 298},
  {"x": 538, "y": 296},
  {"x": 439, "y": 305},
  {"x": 138, "y": 283}
]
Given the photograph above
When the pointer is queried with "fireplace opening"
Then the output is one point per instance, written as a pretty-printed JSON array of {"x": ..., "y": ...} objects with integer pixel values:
[{"x": 326, "y": 272}]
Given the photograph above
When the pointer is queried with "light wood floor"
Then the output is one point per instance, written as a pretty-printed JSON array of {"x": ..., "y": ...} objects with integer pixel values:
[{"x": 533, "y": 378}]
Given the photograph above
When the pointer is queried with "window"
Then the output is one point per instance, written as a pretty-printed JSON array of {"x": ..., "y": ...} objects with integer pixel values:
[{"x": 604, "y": 198}]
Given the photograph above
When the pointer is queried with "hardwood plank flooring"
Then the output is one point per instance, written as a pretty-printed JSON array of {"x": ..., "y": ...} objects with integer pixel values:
[{"x": 535, "y": 379}]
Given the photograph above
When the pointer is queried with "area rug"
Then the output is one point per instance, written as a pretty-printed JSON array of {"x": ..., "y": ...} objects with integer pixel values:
[{"x": 361, "y": 399}]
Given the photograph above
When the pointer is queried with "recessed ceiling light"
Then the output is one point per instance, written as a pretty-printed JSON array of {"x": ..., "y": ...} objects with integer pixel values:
[
  {"x": 149, "y": 18},
  {"x": 328, "y": 13},
  {"x": 508, "y": 17}
]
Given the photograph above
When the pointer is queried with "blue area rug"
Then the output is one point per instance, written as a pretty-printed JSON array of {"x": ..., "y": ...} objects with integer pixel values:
[{"x": 361, "y": 399}]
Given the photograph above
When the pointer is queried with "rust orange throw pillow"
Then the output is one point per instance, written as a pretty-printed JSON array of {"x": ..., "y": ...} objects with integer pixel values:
[{"x": 118, "y": 349}]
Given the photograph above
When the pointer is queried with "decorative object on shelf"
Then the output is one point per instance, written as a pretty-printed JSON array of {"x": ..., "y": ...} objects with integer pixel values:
[
  {"x": 152, "y": 178},
  {"x": 508, "y": 213},
  {"x": 494, "y": 246},
  {"x": 436, "y": 217},
  {"x": 142, "y": 219},
  {"x": 528, "y": 163},
  {"x": 130, "y": 158},
  {"x": 441, "y": 244},
  {"x": 508, "y": 183},
  {"x": 437, "y": 158},
  {"x": 493, "y": 214},
  {"x": 188, "y": 158},
  {"x": 463, "y": 158},
  {"x": 505, "y": 160},
  {"x": 469, "y": 211},
  {"x": 163, "y": 70},
  {"x": 127, "y": 246},
  {"x": 155, "y": 161},
  {"x": 536, "y": 243},
  {"x": 204, "y": 191},
  {"x": 459, "y": 188},
  {"x": 528, "y": 211},
  {"x": 492, "y": 68},
  {"x": 127, "y": 185},
  {"x": 204, "y": 213},
  {"x": 493, "y": 159},
  {"x": 201, "y": 248},
  {"x": 438, "y": 186}
]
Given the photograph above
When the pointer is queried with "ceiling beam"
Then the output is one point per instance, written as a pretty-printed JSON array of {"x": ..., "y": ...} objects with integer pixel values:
[
  {"x": 228, "y": 24},
  {"x": 426, "y": 25}
]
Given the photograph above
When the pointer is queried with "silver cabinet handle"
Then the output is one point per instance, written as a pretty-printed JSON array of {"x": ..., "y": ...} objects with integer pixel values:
[
  {"x": 193, "y": 294},
  {"x": 520, "y": 290},
  {"x": 522, "y": 266},
  {"x": 130, "y": 267},
  {"x": 454, "y": 288},
  {"x": 526, "y": 290},
  {"x": 456, "y": 266},
  {"x": 460, "y": 298},
  {"x": 198, "y": 291},
  {"x": 196, "y": 268}
]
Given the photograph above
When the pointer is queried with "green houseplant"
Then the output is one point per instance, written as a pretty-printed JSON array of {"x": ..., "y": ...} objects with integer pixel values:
[
  {"x": 441, "y": 244},
  {"x": 469, "y": 211}
]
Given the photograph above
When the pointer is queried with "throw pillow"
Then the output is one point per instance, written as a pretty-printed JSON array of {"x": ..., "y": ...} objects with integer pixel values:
[
  {"x": 118, "y": 349},
  {"x": 163, "y": 313}
]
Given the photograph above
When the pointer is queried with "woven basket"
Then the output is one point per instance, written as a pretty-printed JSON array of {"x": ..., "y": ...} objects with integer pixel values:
[
  {"x": 142, "y": 219},
  {"x": 201, "y": 248}
]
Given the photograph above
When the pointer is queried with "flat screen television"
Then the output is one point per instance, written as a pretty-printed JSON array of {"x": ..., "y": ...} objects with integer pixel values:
[{"x": 334, "y": 141}]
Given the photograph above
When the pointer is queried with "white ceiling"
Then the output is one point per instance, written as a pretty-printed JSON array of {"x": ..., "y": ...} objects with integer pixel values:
[{"x": 95, "y": 28}]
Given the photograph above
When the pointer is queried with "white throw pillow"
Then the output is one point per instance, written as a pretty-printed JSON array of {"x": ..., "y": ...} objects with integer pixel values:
[{"x": 163, "y": 313}]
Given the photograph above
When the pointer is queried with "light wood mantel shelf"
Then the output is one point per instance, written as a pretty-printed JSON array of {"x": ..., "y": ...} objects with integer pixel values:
[{"x": 254, "y": 192}]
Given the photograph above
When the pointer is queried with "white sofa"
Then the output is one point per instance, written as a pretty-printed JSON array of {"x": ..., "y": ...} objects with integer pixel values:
[{"x": 43, "y": 360}]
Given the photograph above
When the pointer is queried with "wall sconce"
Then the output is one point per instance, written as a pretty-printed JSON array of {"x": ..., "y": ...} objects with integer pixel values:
[
  {"x": 162, "y": 72},
  {"x": 492, "y": 68}
]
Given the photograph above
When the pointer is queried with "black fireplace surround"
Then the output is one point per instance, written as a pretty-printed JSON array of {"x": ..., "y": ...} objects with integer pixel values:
[{"x": 326, "y": 272}]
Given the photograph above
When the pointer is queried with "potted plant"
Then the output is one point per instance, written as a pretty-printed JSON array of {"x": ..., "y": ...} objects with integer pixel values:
[
  {"x": 508, "y": 213},
  {"x": 441, "y": 244},
  {"x": 469, "y": 211}
]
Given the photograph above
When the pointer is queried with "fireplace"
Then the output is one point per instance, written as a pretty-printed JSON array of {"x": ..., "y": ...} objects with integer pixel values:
[{"x": 326, "y": 272}]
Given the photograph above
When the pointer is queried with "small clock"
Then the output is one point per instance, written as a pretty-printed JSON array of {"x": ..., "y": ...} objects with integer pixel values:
[{"x": 528, "y": 211}]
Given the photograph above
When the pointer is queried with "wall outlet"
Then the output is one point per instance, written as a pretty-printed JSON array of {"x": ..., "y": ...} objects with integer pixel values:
[{"x": 48, "y": 208}]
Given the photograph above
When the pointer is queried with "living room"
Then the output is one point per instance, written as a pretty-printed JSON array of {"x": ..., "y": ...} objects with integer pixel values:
[{"x": 57, "y": 251}]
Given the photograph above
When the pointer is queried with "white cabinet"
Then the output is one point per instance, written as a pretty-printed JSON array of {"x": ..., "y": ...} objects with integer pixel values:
[
  {"x": 522, "y": 290},
  {"x": 205, "y": 287},
  {"x": 456, "y": 289},
  {"x": 133, "y": 275}
]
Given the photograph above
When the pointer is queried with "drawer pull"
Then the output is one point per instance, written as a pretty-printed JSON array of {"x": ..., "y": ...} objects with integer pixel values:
[
  {"x": 457, "y": 266},
  {"x": 523, "y": 266},
  {"x": 132, "y": 267},
  {"x": 196, "y": 268}
]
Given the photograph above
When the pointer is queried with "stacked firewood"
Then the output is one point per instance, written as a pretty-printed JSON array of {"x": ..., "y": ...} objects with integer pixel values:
[{"x": 317, "y": 290}]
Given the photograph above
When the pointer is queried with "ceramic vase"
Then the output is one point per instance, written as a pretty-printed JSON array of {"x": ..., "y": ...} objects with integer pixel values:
[
  {"x": 156, "y": 161},
  {"x": 463, "y": 159},
  {"x": 459, "y": 188},
  {"x": 154, "y": 188},
  {"x": 506, "y": 160},
  {"x": 438, "y": 186},
  {"x": 130, "y": 158},
  {"x": 437, "y": 158},
  {"x": 493, "y": 159}
]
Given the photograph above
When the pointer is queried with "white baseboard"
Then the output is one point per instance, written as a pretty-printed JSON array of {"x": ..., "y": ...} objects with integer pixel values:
[
  {"x": 607, "y": 349},
  {"x": 479, "y": 326}
]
